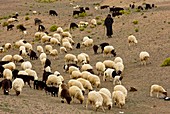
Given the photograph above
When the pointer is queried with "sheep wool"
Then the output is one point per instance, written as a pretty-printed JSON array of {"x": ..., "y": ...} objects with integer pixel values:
[
  {"x": 118, "y": 98},
  {"x": 132, "y": 40},
  {"x": 157, "y": 89},
  {"x": 121, "y": 88},
  {"x": 86, "y": 84},
  {"x": 144, "y": 57},
  {"x": 17, "y": 85},
  {"x": 73, "y": 82},
  {"x": 100, "y": 67},
  {"x": 7, "y": 74}
]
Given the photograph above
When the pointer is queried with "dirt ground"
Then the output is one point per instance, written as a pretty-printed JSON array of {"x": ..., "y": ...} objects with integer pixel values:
[{"x": 153, "y": 36}]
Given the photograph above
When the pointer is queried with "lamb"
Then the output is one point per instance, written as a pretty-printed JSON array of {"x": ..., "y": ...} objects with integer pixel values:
[
  {"x": 10, "y": 66},
  {"x": 86, "y": 84},
  {"x": 106, "y": 91},
  {"x": 7, "y": 58},
  {"x": 6, "y": 85},
  {"x": 64, "y": 93},
  {"x": 67, "y": 45},
  {"x": 18, "y": 58},
  {"x": 76, "y": 92},
  {"x": 157, "y": 89},
  {"x": 109, "y": 73},
  {"x": 109, "y": 64},
  {"x": 17, "y": 85},
  {"x": 118, "y": 98},
  {"x": 70, "y": 58},
  {"x": 52, "y": 89},
  {"x": 121, "y": 88},
  {"x": 100, "y": 67},
  {"x": 26, "y": 65},
  {"x": 132, "y": 40},
  {"x": 54, "y": 53},
  {"x": 107, "y": 101},
  {"x": 109, "y": 50},
  {"x": 96, "y": 99},
  {"x": 117, "y": 80},
  {"x": 144, "y": 57},
  {"x": 75, "y": 74},
  {"x": 63, "y": 50},
  {"x": 73, "y": 82},
  {"x": 53, "y": 12},
  {"x": 53, "y": 80},
  {"x": 94, "y": 80},
  {"x": 95, "y": 48},
  {"x": 40, "y": 49}
]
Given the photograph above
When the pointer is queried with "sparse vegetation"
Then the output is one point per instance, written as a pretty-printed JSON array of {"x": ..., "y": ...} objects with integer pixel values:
[
  {"x": 99, "y": 23},
  {"x": 45, "y": 1},
  {"x": 166, "y": 62},
  {"x": 27, "y": 18},
  {"x": 81, "y": 28},
  {"x": 53, "y": 28},
  {"x": 135, "y": 22},
  {"x": 4, "y": 24},
  {"x": 136, "y": 30}
]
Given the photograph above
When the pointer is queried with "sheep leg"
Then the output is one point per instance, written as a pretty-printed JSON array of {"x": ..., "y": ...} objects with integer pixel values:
[
  {"x": 103, "y": 108},
  {"x": 157, "y": 94},
  {"x": 151, "y": 94},
  {"x": 87, "y": 103}
]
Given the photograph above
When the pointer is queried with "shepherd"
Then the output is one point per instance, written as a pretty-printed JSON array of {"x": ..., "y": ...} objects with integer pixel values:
[{"x": 108, "y": 23}]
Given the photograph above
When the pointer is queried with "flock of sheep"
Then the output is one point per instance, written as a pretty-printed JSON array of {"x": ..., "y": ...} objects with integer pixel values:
[{"x": 84, "y": 78}]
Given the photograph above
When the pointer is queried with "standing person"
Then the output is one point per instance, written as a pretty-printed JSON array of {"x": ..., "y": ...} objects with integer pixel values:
[{"x": 108, "y": 23}]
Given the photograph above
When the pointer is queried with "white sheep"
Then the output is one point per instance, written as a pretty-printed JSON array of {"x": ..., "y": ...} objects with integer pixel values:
[
  {"x": 118, "y": 59},
  {"x": 19, "y": 43},
  {"x": 70, "y": 58},
  {"x": 88, "y": 43},
  {"x": 67, "y": 45},
  {"x": 59, "y": 76},
  {"x": 39, "y": 35},
  {"x": 23, "y": 51},
  {"x": 10, "y": 20},
  {"x": 86, "y": 84},
  {"x": 109, "y": 50},
  {"x": 144, "y": 57},
  {"x": 32, "y": 73},
  {"x": 63, "y": 50},
  {"x": 10, "y": 66},
  {"x": 48, "y": 48},
  {"x": 108, "y": 74},
  {"x": 7, "y": 58},
  {"x": 70, "y": 40},
  {"x": 7, "y": 74},
  {"x": 17, "y": 85},
  {"x": 2, "y": 49},
  {"x": 73, "y": 82},
  {"x": 119, "y": 67},
  {"x": 57, "y": 36},
  {"x": 81, "y": 58},
  {"x": 87, "y": 57},
  {"x": 8, "y": 46},
  {"x": 75, "y": 74},
  {"x": 121, "y": 88},
  {"x": 107, "y": 101},
  {"x": 59, "y": 30},
  {"x": 83, "y": 24},
  {"x": 109, "y": 64},
  {"x": 40, "y": 49},
  {"x": 86, "y": 67},
  {"x": 118, "y": 98},
  {"x": 26, "y": 65},
  {"x": 96, "y": 99},
  {"x": 85, "y": 74},
  {"x": 28, "y": 46},
  {"x": 157, "y": 89},
  {"x": 54, "y": 53},
  {"x": 132, "y": 40},
  {"x": 53, "y": 80},
  {"x": 45, "y": 38},
  {"x": 94, "y": 80},
  {"x": 42, "y": 56},
  {"x": 85, "y": 38},
  {"x": 66, "y": 34},
  {"x": 47, "y": 69},
  {"x": 100, "y": 67},
  {"x": 105, "y": 90},
  {"x": 18, "y": 58},
  {"x": 34, "y": 12},
  {"x": 93, "y": 22},
  {"x": 76, "y": 92},
  {"x": 22, "y": 72},
  {"x": 117, "y": 80},
  {"x": 54, "y": 41}
]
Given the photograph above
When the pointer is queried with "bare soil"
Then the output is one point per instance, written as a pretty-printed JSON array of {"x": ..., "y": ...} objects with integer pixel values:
[{"x": 153, "y": 36}]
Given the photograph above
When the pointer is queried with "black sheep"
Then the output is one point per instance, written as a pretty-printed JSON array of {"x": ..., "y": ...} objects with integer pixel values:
[
  {"x": 47, "y": 63},
  {"x": 45, "y": 76},
  {"x": 6, "y": 85},
  {"x": 66, "y": 66},
  {"x": 10, "y": 27},
  {"x": 33, "y": 55},
  {"x": 104, "y": 6},
  {"x": 95, "y": 48},
  {"x": 52, "y": 89},
  {"x": 37, "y": 21},
  {"x": 65, "y": 93},
  {"x": 41, "y": 28},
  {"x": 53, "y": 12},
  {"x": 73, "y": 25},
  {"x": 147, "y": 6},
  {"x": 102, "y": 45},
  {"x": 78, "y": 46},
  {"x": 39, "y": 84}
]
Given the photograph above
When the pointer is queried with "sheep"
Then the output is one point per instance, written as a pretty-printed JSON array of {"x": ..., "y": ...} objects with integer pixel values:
[
  {"x": 47, "y": 69},
  {"x": 121, "y": 88},
  {"x": 67, "y": 45},
  {"x": 52, "y": 89},
  {"x": 94, "y": 80},
  {"x": 40, "y": 49},
  {"x": 117, "y": 80},
  {"x": 85, "y": 74},
  {"x": 119, "y": 68},
  {"x": 157, "y": 89},
  {"x": 111, "y": 73},
  {"x": 2, "y": 49},
  {"x": 39, "y": 84},
  {"x": 7, "y": 46},
  {"x": 17, "y": 85},
  {"x": 86, "y": 84},
  {"x": 28, "y": 46},
  {"x": 48, "y": 48},
  {"x": 104, "y": 6},
  {"x": 107, "y": 101},
  {"x": 54, "y": 41},
  {"x": 70, "y": 58},
  {"x": 7, "y": 74},
  {"x": 10, "y": 20},
  {"x": 132, "y": 40},
  {"x": 7, "y": 58},
  {"x": 32, "y": 73},
  {"x": 59, "y": 30},
  {"x": 45, "y": 76},
  {"x": 63, "y": 49},
  {"x": 6, "y": 85},
  {"x": 36, "y": 20},
  {"x": 73, "y": 82},
  {"x": 53, "y": 12},
  {"x": 93, "y": 22},
  {"x": 95, "y": 48},
  {"x": 87, "y": 57},
  {"x": 73, "y": 25},
  {"x": 144, "y": 57},
  {"x": 66, "y": 34},
  {"x": 109, "y": 50},
  {"x": 85, "y": 38},
  {"x": 75, "y": 74},
  {"x": 41, "y": 28},
  {"x": 88, "y": 43},
  {"x": 53, "y": 80},
  {"x": 39, "y": 35},
  {"x": 10, "y": 27},
  {"x": 10, "y": 66},
  {"x": 18, "y": 58},
  {"x": 106, "y": 91},
  {"x": 26, "y": 65},
  {"x": 118, "y": 98},
  {"x": 32, "y": 54},
  {"x": 96, "y": 99},
  {"x": 45, "y": 38},
  {"x": 42, "y": 56},
  {"x": 81, "y": 58},
  {"x": 19, "y": 43},
  {"x": 54, "y": 53},
  {"x": 86, "y": 67},
  {"x": 109, "y": 64},
  {"x": 118, "y": 59},
  {"x": 100, "y": 67},
  {"x": 22, "y": 72},
  {"x": 64, "y": 93},
  {"x": 66, "y": 66},
  {"x": 76, "y": 92},
  {"x": 102, "y": 45}
]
